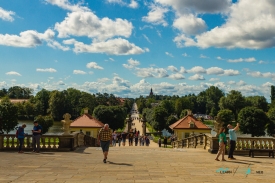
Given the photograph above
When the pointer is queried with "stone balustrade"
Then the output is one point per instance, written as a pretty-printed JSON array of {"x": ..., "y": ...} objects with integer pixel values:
[
  {"x": 9, "y": 142},
  {"x": 211, "y": 144}
]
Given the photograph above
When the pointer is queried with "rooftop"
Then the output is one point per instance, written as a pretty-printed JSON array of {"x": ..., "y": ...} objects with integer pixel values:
[
  {"x": 86, "y": 120},
  {"x": 184, "y": 123}
]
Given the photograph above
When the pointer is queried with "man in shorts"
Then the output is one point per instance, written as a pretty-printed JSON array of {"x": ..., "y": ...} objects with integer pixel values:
[{"x": 104, "y": 139}]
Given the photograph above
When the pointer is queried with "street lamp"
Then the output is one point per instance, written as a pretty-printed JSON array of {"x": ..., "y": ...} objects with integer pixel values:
[{"x": 129, "y": 121}]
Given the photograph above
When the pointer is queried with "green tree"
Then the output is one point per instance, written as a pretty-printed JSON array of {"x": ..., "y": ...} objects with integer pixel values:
[
  {"x": 258, "y": 102},
  {"x": 168, "y": 105},
  {"x": 88, "y": 100},
  {"x": 9, "y": 115},
  {"x": 253, "y": 121},
  {"x": 224, "y": 117},
  {"x": 104, "y": 114},
  {"x": 45, "y": 122},
  {"x": 160, "y": 116},
  {"x": 57, "y": 104},
  {"x": 234, "y": 101},
  {"x": 43, "y": 97},
  {"x": 270, "y": 127},
  {"x": 272, "y": 96}
]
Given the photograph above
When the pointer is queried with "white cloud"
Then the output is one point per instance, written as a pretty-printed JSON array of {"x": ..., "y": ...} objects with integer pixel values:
[
  {"x": 131, "y": 64},
  {"x": 46, "y": 70},
  {"x": 203, "y": 56},
  {"x": 112, "y": 59},
  {"x": 189, "y": 24},
  {"x": 258, "y": 74},
  {"x": 185, "y": 55},
  {"x": 3, "y": 84},
  {"x": 13, "y": 73},
  {"x": 156, "y": 15},
  {"x": 79, "y": 72},
  {"x": 103, "y": 80},
  {"x": 147, "y": 38},
  {"x": 57, "y": 45},
  {"x": 196, "y": 77},
  {"x": 151, "y": 72},
  {"x": 116, "y": 46},
  {"x": 197, "y": 69},
  {"x": 172, "y": 68},
  {"x": 252, "y": 59},
  {"x": 88, "y": 24},
  {"x": 176, "y": 76},
  {"x": 28, "y": 38},
  {"x": 65, "y": 4},
  {"x": 60, "y": 83},
  {"x": 182, "y": 70},
  {"x": 231, "y": 72},
  {"x": 6, "y": 15},
  {"x": 169, "y": 54},
  {"x": 241, "y": 83},
  {"x": 93, "y": 65},
  {"x": 243, "y": 28},
  {"x": 215, "y": 71},
  {"x": 263, "y": 62},
  {"x": 214, "y": 79},
  {"x": 133, "y": 4}
]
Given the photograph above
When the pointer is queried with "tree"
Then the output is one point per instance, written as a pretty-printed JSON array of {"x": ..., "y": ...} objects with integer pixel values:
[
  {"x": 104, "y": 114},
  {"x": 213, "y": 96},
  {"x": 258, "y": 102},
  {"x": 224, "y": 117},
  {"x": 120, "y": 115},
  {"x": 57, "y": 104},
  {"x": 234, "y": 101},
  {"x": 272, "y": 96},
  {"x": 160, "y": 116},
  {"x": 253, "y": 121},
  {"x": 45, "y": 122},
  {"x": 43, "y": 96},
  {"x": 270, "y": 127},
  {"x": 88, "y": 101},
  {"x": 168, "y": 105},
  {"x": 9, "y": 115}
]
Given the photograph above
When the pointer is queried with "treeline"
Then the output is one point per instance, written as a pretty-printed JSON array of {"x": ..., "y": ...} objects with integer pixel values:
[
  {"x": 54, "y": 104},
  {"x": 253, "y": 112},
  {"x": 17, "y": 92}
]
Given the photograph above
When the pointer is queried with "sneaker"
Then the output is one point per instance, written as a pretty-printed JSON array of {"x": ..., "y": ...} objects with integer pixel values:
[
  {"x": 104, "y": 160},
  {"x": 217, "y": 159},
  {"x": 223, "y": 160}
]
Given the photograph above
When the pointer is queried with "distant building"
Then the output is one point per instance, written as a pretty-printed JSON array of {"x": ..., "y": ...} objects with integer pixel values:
[
  {"x": 188, "y": 126},
  {"x": 151, "y": 92},
  {"x": 87, "y": 124}
]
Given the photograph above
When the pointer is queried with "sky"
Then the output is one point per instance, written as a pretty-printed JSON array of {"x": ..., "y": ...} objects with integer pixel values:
[{"x": 127, "y": 47}]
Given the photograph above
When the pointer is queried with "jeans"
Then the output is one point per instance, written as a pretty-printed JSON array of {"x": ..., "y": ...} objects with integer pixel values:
[
  {"x": 21, "y": 142},
  {"x": 36, "y": 142},
  {"x": 114, "y": 142},
  {"x": 232, "y": 148},
  {"x": 119, "y": 141}
]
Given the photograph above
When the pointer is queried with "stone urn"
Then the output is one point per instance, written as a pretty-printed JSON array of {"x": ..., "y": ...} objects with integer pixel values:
[{"x": 66, "y": 124}]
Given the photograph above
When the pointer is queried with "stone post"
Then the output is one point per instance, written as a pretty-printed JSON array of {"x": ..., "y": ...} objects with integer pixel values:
[
  {"x": 66, "y": 124},
  {"x": 1, "y": 142},
  {"x": 143, "y": 120},
  {"x": 129, "y": 121},
  {"x": 214, "y": 145},
  {"x": 66, "y": 143}
]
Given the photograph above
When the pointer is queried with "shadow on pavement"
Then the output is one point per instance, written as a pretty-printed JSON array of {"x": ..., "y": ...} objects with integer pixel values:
[
  {"x": 81, "y": 150},
  {"x": 125, "y": 164}
]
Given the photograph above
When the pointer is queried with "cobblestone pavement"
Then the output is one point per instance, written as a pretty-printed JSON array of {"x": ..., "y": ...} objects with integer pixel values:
[{"x": 132, "y": 164}]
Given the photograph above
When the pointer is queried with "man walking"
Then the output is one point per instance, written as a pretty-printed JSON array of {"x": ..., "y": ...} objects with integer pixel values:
[
  {"x": 20, "y": 137},
  {"x": 233, "y": 139},
  {"x": 36, "y": 135},
  {"x": 104, "y": 139}
]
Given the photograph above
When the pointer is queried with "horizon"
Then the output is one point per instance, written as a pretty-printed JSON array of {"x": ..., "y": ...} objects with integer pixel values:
[{"x": 127, "y": 47}]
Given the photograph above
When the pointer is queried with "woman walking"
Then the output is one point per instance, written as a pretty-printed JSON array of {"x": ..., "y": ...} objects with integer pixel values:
[{"x": 222, "y": 143}]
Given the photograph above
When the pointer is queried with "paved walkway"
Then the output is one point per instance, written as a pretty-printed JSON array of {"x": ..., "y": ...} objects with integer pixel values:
[{"x": 134, "y": 165}]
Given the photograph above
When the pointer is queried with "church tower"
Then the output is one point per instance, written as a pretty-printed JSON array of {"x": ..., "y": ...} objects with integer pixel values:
[{"x": 151, "y": 92}]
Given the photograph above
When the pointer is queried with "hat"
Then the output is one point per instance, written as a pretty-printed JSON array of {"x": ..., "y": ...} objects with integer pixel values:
[{"x": 35, "y": 121}]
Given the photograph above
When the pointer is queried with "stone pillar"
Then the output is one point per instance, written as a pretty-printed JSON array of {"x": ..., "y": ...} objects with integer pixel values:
[
  {"x": 66, "y": 143},
  {"x": 129, "y": 121},
  {"x": 66, "y": 124},
  {"x": 1, "y": 142}
]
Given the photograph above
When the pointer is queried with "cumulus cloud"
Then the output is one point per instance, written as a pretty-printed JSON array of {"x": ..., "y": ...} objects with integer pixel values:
[
  {"x": 182, "y": 70},
  {"x": 258, "y": 74},
  {"x": 196, "y": 77},
  {"x": 46, "y": 70},
  {"x": 176, "y": 76},
  {"x": 93, "y": 65},
  {"x": 214, "y": 79},
  {"x": 252, "y": 59},
  {"x": 133, "y": 4},
  {"x": 116, "y": 46},
  {"x": 65, "y": 4},
  {"x": 131, "y": 64},
  {"x": 6, "y": 15},
  {"x": 88, "y": 24},
  {"x": 214, "y": 71},
  {"x": 13, "y": 73},
  {"x": 243, "y": 28},
  {"x": 56, "y": 45},
  {"x": 197, "y": 69},
  {"x": 189, "y": 24},
  {"x": 172, "y": 68},
  {"x": 28, "y": 38},
  {"x": 151, "y": 72},
  {"x": 231, "y": 72},
  {"x": 156, "y": 15},
  {"x": 103, "y": 80},
  {"x": 79, "y": 72}
]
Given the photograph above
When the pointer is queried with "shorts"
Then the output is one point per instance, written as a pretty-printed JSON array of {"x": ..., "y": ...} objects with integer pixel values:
[{"x": 105, "y": 145}]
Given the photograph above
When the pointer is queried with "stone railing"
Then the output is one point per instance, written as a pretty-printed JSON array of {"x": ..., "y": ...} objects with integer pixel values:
[
  {"x": 9, "y": 142},
  {"x": 211, "y": 144}
]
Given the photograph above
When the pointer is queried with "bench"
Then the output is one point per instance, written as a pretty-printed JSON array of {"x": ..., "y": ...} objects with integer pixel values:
[{"x": 270, "y": 152}]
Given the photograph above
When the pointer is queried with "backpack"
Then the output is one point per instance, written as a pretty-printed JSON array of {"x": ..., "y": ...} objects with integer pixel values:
[{"x": 17, "y": 132}]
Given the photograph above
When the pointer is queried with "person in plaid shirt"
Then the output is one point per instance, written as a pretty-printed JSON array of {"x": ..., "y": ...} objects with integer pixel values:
[{"x": 104, "y": 139}]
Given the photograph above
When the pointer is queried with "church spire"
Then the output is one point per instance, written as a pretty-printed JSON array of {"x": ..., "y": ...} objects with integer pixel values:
[{"x": 151, "y": 92}]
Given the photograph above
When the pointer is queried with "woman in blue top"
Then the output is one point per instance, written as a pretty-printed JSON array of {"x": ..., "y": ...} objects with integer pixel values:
[
  {"x": 222, "y": 141},
  {"x": 21, "y": 136}
]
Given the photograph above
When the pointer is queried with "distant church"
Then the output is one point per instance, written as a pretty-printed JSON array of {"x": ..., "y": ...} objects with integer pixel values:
[{"x": 151, "y": 93}]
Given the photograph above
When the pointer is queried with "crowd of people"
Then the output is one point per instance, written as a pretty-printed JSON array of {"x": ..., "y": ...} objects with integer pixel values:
[{"x": 134, "y": 138}]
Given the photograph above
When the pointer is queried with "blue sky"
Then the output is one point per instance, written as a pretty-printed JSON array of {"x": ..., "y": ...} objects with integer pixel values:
[{"x": 126, "y": 47}]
